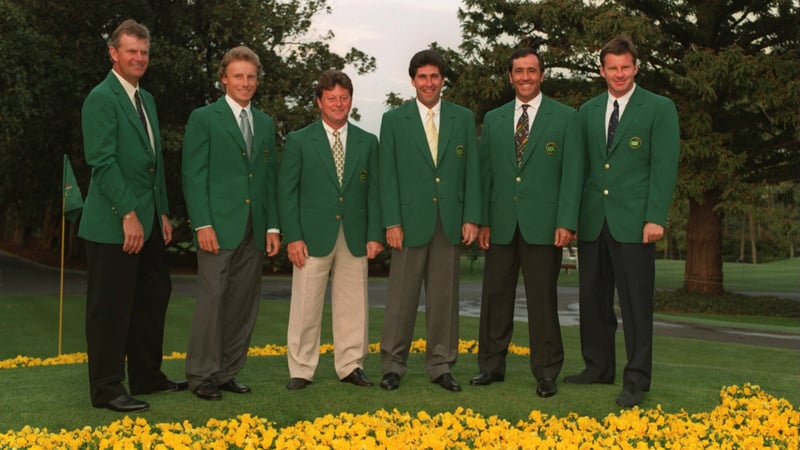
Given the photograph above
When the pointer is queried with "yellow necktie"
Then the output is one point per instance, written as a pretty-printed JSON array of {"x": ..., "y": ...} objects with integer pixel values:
[
  {"x": 432, "y": 135},
  {"x": 338, "y": 156}
]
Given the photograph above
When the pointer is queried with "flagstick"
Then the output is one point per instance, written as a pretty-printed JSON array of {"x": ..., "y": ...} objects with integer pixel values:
[{"x": 61, "y": 288}]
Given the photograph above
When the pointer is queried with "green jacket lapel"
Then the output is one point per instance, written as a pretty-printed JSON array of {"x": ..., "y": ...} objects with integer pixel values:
[
  {"x": 230, "y": 124},
  {"x": 416, "y": 131},
  {"x": 127, "y": 106},
  {"x": 540, "y": 122}
]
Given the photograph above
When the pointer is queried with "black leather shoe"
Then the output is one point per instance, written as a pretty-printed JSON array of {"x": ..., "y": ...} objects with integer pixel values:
[
  {"x": 630, "y": 396},
  {"x": 208, "y": 391},
  {"x": 297, "y": 383},
  {"x": 390, "y": 381},
  {"x": 126, "y": 404},
  {"x": 586, "y": 378},
  {"x": 446, "y": 381},
  {"x": 484, "y": 379},
  {"x": 172, "y": 386},
  {"x": 546, "y": 388},
  {"x": 357, "y": 377},
  {"x": 233, "y": 385}
]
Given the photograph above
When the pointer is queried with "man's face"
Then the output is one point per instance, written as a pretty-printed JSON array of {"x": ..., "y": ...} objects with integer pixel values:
[
  {"x": 526, "y": 77},
  {"x": 428, "y": 82},
  {"x": 240, "y": 80},
  {"x": 619, "y": 70},
  {"x": 130, "y": 58},
  {"x": 334, "y": 106}
]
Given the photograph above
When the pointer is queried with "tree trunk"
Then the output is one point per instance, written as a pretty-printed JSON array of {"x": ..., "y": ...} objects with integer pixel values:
[
  {"x": 703, "y": 272},
  {"x": 742, "y": 241},
  {"x": 753, "y": 253}
]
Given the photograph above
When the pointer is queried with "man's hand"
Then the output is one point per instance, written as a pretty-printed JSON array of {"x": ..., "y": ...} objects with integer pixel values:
[
  {"x": 394, "y": 237},
  {"x": 469, "y": 232},
  {"x": 563, "y": 237},
  {"x": 166, "y": 229},
  {"x": 484, "y": 235},
  {"x": 133, "y": 232},
  {"x": 298, "y": 253},
  {"x": 652, "y": 232},
  {"x": 273, "y": 243},
  {"x": 373, "y": 248},
  {"x": 207, "y": 240}
]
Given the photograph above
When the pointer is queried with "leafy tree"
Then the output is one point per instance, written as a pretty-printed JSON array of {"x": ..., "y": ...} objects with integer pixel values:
[
  {"x": 729, "y": 65},
  {"x": 188, "y": 41}
]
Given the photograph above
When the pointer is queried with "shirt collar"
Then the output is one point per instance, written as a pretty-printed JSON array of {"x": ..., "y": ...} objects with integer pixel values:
[
  {"x": 534, "y": 103},
  {"x": 621, "y": 100},
  {"x": 129, "y": 88},
  {"x": 423, "y": 110},
  {"x": 329, "y": 130},
  {"x": 237, "y": 108}
]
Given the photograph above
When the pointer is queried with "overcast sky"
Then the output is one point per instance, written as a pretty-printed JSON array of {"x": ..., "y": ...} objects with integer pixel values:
[{"x": 391, "y": 31}]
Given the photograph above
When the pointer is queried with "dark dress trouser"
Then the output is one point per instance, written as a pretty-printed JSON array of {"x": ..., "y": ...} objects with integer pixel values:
[
  {"x": 126, "y": 304},
  {"x": 604, "y": 264},
  {"x": 540, "y": 266}
]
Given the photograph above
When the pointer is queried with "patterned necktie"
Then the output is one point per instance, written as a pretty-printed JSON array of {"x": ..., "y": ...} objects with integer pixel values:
[
  {"x": 247, "y": 132},
  {"x": 140, "y": 111},
  {"x": 338, "y": 156},
  {"x": 613, "y": 121},
  {"x": 432, "y": 135},
  {"x": 521, "y": 134}
]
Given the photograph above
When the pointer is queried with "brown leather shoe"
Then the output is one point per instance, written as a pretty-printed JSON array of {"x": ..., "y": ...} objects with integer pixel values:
[
  {"x": 297, "y": 383},
  {"x": 208, "y": 391},
  {"x": 358, "y": 378}
]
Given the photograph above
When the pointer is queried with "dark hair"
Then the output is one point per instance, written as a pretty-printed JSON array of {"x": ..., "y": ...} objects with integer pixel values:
[
  {"x": 239, "y": 54},
  {"x": 523, "y": 52},
  {"x": 618, "y": 46},
  {"x": 330, "y": 78},
  {"x": 131, "y": 28},
  {"x": 426, "y": 58}
]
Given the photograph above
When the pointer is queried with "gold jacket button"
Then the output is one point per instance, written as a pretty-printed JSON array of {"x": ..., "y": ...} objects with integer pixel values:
[
  {"x": 341, "y": 199},
  {"x": 606, "y": 166},
  {"x": 438, "y": 180},
  {"x": 247, "y": 201},
  {"x": 605, "y": 191},
  {"x": 518, "y": 179},
  {"x": 435, "y": 200}
]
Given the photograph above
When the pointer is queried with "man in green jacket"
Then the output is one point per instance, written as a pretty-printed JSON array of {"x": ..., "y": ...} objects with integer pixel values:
[
  {"x": 530, "y": 156},
  {"x": 328, "y": 206},
  {"x": 229, "y": 173},
  {"x": 430, "y": 198},
  {"x": 126, "y": 228},
  {"x": 632, "y": 146}
]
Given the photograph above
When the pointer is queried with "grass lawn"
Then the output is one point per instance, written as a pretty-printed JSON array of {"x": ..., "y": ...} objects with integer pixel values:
[{"x": 688, "y": 374}]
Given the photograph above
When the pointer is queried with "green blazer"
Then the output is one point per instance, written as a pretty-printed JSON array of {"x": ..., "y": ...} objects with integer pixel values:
[
  {"x": 127, "y": 173},
  {"x": 540, "y": 195},
  {"x": 220, "y": 184},
  {"x": 632, "y": 183},
  {"x": 414, "y": 191},
  {"x": 312, "y": 205}
]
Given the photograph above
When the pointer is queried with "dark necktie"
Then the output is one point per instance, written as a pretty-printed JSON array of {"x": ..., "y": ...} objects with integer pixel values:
[
  {"x": 613, "y": 121},
  {"x": 521, "y": 134},
  {"x": 140, "y": 111}
]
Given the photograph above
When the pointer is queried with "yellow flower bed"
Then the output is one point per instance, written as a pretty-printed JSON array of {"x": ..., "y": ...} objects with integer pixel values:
[
  {"x": 418, "y": 346},
  {"x": 747, "y": 418}
]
